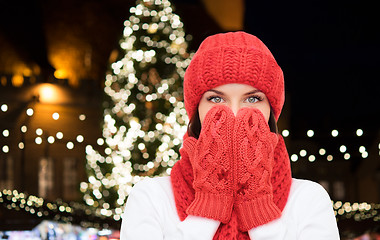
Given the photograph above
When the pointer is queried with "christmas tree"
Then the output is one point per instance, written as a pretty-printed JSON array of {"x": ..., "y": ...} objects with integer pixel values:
[{"x": 144, "y": 115}]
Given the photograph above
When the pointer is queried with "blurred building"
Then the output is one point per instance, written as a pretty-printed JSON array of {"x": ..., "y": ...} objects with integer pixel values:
[{"x": 45, "y": 128}]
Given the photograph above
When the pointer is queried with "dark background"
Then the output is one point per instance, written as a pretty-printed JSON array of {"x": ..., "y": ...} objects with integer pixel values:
[
  {"x": 329, "y": 52},
  {"x": 328, "y": 49}
]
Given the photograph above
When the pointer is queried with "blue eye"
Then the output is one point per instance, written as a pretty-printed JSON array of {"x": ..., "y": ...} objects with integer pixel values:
[
  {"x": 215, "y": 99},
  {"x": 252, "y": 99}
]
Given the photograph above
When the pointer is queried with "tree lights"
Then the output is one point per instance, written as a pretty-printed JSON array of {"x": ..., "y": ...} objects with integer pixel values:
[{"x": 144, "y": 117}]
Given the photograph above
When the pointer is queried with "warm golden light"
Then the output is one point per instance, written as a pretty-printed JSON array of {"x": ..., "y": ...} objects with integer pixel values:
[
  {"x": 60, "y": 74},
  {"x": 39, "y": 131},
  {"x": 82, "y": 117},
  {"x": 5, "y": 149},
  {"x": 29, "y": 112},
  {"x": 228, "y": 14},
  {"x": 24, "y": 129},
  {"x": 59, "y": 135},
  {"x": 3, "y": 80},
  {"x": 46, "y": 93},
  {"x": 49, "y": 93},
  {"x": 17, "y": 80},
  {"x": 51, "y": 139},
  {"x": 55, "y": 116},
  {"x": 27, "y": 72}
]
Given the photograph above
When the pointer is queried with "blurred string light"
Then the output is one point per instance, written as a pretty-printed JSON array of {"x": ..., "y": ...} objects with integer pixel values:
[
  {"x": 51, "y": 139},
  {"x": 39, "y": 138},
  {"x": 356, "y": 211},
  {"x": 82, "y": 117},
  {"x": 303, "y": 153},
  {"x": 4, "y": 107},
  {"x": 359, "y": 132},
  {"x": 343, "y": 149},
  {"x": 39, "y": 131},
  {"x": 154, "y": 26},
  {"x": 285, "y": 133},
  {"x": 310, "y": 133},
  {"x": 29, "y": 112},
  {"x": 6, "y": 133},
  {"x": 23, "y": 129},
  {"x": 96, "y": 217},
  {"x": 58, "y": 211},
  {"x": 55, "y": 116},
  {"x": 312, "y": 158},
  {"x": 322, "y": 151},
  {"x": 70, "y": 145},
  {"x": 5, "y": 149},
  {"x": 59, "y": 135},
  {"x": 80, "y": 138},
  {"x": 334, "y": 133}
]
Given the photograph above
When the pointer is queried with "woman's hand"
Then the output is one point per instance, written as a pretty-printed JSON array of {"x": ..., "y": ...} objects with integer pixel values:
[
  {"x": 212, "y": 161},
  {"x": 232, "y": 163},
  {"x": 253, "y": 145}
]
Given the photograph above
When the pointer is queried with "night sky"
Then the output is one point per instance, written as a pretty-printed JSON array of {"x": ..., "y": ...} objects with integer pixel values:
[{"x": 329, "y": 52}]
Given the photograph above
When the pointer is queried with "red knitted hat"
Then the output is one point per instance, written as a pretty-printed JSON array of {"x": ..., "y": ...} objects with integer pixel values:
[{"x": 234, "y": 57}]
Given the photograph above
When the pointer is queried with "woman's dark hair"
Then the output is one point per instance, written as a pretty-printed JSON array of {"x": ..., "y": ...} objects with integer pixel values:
[{"x": 194, "y": 127}]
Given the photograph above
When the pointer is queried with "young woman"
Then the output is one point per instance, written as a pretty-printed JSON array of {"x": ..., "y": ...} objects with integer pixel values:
[{"x": 233, "y": 180}]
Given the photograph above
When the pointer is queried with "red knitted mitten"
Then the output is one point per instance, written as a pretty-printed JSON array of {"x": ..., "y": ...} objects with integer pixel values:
[
  {"x": 211, "y": 160},
  {"x": 254, "y": 145}
]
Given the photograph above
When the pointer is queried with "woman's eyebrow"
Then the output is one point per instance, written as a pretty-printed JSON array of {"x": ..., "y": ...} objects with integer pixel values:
[
  {"x": 216, "y": 91},
  {"x": 252, "y": 92}
]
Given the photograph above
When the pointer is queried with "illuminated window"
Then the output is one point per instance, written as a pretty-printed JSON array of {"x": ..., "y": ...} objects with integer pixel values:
[
  {"x": 6, "y": 173},
  {"x": 70, "y": 183},
  {"x": 325, "y": 184},
  {"x": 45, "y": 177},
  {"x": 339, "y": 190}
]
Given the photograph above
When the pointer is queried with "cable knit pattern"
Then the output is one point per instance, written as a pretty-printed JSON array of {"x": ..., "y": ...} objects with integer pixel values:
[
  {"x": 254, "y": 146},
  {"x": 234, "y": 57},
  {"x": 258, "y": 182},
  {"x": 211, "y": 159}
]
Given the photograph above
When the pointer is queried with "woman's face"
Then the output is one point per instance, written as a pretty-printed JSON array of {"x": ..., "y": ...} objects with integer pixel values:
[{"x": 235, "y": 96}]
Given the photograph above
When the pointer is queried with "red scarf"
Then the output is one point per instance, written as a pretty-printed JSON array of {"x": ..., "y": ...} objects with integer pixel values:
[{"x": 182, "y": 182}]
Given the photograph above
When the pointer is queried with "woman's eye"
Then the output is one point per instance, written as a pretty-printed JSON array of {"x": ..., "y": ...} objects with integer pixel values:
[
  {"x": 252, "y": 99},
  {"x": 215, "y": 99}
]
